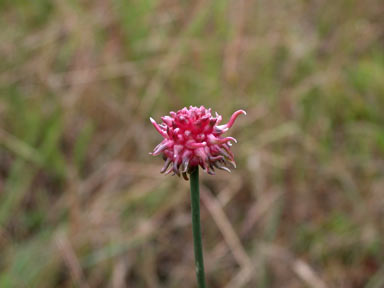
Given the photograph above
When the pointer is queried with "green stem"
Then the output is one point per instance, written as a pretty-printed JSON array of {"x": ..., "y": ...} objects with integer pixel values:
[{"x": 198, "y": 246}]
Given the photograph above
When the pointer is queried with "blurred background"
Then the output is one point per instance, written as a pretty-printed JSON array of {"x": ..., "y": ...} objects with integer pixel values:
[{"x": 82, "y": 204}]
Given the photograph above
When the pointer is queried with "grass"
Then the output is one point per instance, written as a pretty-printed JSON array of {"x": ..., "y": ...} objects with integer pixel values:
[{"x": 83, "y": 205}]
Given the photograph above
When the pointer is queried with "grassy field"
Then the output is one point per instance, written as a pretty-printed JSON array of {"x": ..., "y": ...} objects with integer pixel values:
[{"x": 82, "y": 204}]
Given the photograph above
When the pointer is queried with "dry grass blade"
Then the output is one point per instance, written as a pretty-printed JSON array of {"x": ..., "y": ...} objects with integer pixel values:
[
  {"x": 232, "y": 239},
  {"x": 71, "y": 260},
  {"x": 302, "y": 269},
  {"x": 257, "y": 211},
  {"x": 119, "y": 275},
  {"x": 241, "y": 278}
]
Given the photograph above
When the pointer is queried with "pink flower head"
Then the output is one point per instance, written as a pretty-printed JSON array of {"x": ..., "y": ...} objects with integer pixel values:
[{"x": 192, "y": 137}]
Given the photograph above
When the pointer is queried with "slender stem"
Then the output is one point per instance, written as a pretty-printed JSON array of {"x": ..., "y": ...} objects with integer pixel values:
[{"x": 198, "y": 246}]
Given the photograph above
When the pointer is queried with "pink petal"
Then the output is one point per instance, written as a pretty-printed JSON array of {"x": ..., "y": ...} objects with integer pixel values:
[
  {"x": 157, "y": 127},
  {"x": 232, "y": 119}
]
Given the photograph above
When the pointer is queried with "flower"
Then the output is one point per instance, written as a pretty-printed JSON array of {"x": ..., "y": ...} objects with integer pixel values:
[{"x": 193, "y": 137}]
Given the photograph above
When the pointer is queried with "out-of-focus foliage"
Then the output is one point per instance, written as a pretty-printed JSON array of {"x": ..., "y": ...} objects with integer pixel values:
[{"x": 82, "y": 204}]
